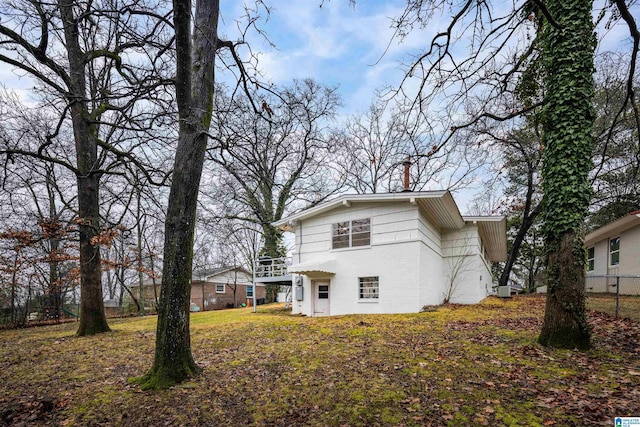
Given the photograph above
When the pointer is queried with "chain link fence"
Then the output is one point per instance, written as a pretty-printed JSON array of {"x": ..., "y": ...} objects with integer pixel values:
[{"x": 614, "y": 294}]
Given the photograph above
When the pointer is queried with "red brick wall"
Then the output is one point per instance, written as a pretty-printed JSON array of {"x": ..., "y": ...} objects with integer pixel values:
[{"x": 218, "y": 300}]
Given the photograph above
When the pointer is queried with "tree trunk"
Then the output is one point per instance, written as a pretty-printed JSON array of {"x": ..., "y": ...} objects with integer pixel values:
[
  {"x": 527, "y": 222},
  {"x": 565, "y": 322},
  {"x": 14, "y": 293},
  {"x": 173, "y": 361},
  {"x": 139, "y": 241},
  {"x": 92, "y": 315},
  {"x": 272, "y": 241},
  {"x": 55, "y": 286},
  {"x": 568, "y": 47}
]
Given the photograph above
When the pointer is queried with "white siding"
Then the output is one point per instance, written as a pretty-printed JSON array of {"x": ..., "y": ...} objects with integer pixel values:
[
  {"x": 601, "y": 258},
  {"x": 467, "y": 278},
  {"x": 408, "y": 254},
  {"x": 629, "y": 255},
  {"x": 630, "y": 252}
]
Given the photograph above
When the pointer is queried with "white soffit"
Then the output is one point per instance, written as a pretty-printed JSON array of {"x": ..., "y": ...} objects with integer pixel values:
[
  {"x": 443, "y": 211},
  {"x": 493, "y": 230},
  {"x": 289, "y": 222}
]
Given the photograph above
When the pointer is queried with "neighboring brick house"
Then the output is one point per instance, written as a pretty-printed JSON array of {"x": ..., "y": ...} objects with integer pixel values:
[{"x": 211, "y": 289}]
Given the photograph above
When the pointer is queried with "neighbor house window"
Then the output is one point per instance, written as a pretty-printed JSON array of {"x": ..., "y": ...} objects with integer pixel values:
[
  {"x": 591, "y": 258},
  {"x": 614, "y": 251},
  {"x": 349, "y": 234},
  {"x": 368, "y": 287},
  {"x": 220, "y": 288},
  {"x": 249, "y": 291}
]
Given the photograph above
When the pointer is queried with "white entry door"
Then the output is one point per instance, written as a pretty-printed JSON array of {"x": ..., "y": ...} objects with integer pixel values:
[{"x": 321, "y": 299}]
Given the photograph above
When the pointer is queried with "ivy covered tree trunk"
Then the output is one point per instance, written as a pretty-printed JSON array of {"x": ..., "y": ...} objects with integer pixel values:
[
  {"x": 568, "y": 49},
  {"x": 173, "y": 361},
  {"x": 92, "y": 315},
  {"x": 272, "y": 241}
]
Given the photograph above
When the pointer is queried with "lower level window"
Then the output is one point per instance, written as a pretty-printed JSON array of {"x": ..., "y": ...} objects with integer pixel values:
[
  {"x": 220, "y": 288},
  {"x": 249, "y": 291},
  {"x": 368, "y": 287}
]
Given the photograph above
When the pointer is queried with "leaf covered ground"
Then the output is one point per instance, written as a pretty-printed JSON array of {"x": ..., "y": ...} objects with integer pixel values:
[{"x": 457, "y": 366}]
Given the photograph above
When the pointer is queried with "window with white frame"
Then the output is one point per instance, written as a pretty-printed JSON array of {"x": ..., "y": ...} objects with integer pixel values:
[
  {"x": 614, "y": 251},
  {"x": 369, "y": 288},
  {"x": 220, "y": 288},
  {"x": 349, "y": 234},
  {"x": 591, "y": 258}
]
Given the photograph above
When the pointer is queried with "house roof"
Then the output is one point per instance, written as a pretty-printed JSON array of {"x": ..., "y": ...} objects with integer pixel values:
[
  {"x": 438, "y": 206},
  {"x": 202, "y": 274},
  {"x": 613, "y": 229}
]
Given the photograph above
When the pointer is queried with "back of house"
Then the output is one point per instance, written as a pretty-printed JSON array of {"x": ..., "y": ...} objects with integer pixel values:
[{"x": 391, "y": 253}]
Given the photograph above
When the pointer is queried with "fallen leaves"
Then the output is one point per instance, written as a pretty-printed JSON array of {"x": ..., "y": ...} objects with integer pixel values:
[{"x": 458, "y": 365}]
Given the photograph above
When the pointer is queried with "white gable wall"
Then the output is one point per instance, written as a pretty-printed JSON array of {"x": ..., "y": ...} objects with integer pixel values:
[
  {"x": 430, "y": 277},
  {"x": 467, "y": 277}
]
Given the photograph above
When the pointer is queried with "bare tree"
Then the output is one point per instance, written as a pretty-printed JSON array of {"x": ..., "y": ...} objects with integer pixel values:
[
  {"x": 531, "y": 35},
  {"x": 272, "y": 162},
  {"x": 379, "y": 143},
  {"x": 78, "y": 52}
]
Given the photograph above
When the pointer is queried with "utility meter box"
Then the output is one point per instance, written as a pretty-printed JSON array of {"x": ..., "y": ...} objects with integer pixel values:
[{"x": 299, "y": 293}]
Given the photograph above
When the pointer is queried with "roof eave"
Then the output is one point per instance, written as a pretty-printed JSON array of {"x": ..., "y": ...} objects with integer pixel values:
[
  {"x": 494, "y": 235},
  {"x": 287, "y": 223},
  {"x": 613, "y": 228}
]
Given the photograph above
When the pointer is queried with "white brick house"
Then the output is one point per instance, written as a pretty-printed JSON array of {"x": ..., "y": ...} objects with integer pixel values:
[{"x": 391, "y": 253}]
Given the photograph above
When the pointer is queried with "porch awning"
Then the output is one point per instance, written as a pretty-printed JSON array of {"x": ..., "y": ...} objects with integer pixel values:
[{"x": 314, "y": 268}]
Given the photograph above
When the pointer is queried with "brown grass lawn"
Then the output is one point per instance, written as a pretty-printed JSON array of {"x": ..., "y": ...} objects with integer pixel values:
[{"x": 456, "y": 366}]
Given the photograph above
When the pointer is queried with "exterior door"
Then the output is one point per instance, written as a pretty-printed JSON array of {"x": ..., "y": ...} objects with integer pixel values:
[{"x": 321, "y": 298}]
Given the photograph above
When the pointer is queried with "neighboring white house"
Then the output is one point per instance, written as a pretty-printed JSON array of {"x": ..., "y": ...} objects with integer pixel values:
[
  {"x": 614, "y": 250},
  {"x": 391, "y": 253}
]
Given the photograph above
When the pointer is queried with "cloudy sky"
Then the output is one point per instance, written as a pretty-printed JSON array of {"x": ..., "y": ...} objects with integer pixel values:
[
  {"x": 342, "y": 44},
  {"x": 353, "y": 45},
  {"x": 347, "y": 44}
]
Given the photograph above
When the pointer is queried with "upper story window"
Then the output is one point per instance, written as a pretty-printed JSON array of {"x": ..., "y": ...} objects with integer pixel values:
[
  {"x": 614, "y": 251},
  {"x": 349, "y": 234},
  {"x": 220, "y": 288},
  {"x": 591, "y": 258}
]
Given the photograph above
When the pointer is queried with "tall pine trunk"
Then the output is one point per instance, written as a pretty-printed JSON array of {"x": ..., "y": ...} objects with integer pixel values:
[
  {"x": 568, "y": 48},
  {"x": 173, "y": 361}
]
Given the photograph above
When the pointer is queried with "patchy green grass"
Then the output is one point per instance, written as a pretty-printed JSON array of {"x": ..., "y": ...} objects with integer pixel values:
[
  {"x": 457, "y": 365},
  {"x": 628, "y": 306}
]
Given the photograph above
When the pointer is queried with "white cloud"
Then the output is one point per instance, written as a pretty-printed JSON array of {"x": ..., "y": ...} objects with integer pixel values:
[{"x": 337, "y": 45}]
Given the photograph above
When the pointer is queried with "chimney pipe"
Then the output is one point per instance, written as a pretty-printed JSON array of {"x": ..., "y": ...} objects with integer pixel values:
[{"x": 406, "y": 164}]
